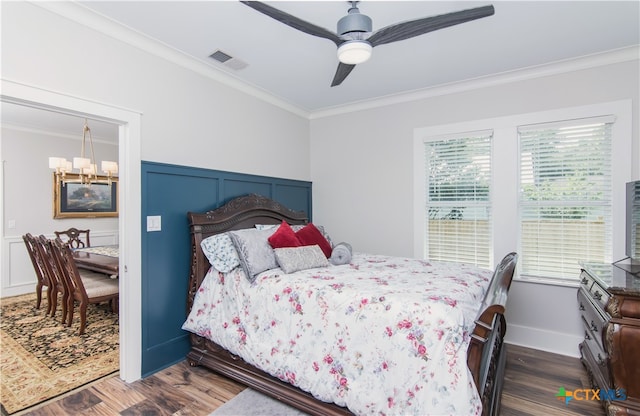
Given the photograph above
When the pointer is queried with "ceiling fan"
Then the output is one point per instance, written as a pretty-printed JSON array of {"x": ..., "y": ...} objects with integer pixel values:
[{"x": 355, "y": 39}]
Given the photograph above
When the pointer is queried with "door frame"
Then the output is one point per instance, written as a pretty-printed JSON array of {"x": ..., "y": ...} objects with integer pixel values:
[{"x": 129, "y": 227}]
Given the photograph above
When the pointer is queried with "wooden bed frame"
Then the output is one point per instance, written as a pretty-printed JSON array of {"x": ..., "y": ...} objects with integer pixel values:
[{"x": 485, "y": 356}]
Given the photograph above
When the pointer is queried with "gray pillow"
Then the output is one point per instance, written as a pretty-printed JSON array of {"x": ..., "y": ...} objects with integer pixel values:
[
  {"x": 292, "y": 259},
  {"x": 341, "y": 254},
  {"x": 254, "y": 251}
]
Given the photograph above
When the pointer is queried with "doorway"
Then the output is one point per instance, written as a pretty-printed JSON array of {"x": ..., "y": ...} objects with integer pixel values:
[{"x": 130, "y": 204}]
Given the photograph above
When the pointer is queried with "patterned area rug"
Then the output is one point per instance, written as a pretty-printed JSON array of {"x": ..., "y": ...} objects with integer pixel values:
[{"x": 41, "y": 359}]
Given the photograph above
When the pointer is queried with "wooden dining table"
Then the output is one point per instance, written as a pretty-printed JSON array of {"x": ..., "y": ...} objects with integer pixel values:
[{"x": 103, "y": 259}]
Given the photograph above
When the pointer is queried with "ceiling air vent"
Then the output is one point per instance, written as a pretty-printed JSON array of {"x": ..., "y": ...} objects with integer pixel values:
[{"x": 228, "y": 60}]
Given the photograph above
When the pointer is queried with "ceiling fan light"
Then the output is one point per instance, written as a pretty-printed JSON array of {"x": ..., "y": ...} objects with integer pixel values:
[{"x": 354, "y": 52}]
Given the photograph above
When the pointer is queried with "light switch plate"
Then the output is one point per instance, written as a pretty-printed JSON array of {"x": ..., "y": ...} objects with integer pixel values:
[{"x": 154, "y": 223}]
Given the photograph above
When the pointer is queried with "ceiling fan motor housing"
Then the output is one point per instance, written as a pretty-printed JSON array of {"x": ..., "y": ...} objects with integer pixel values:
[{"x": 354, "y": 22}]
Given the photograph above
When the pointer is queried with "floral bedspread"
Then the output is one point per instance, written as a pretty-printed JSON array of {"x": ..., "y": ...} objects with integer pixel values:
[{"x": 382, "y": 335}]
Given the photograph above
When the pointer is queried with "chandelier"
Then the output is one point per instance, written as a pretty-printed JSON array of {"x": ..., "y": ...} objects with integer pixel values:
[{"x": 87, "y": 169}]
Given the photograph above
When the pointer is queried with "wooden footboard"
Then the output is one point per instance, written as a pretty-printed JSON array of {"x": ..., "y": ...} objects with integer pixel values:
[
  {"x": 486, "y": 354},
  {"x": 207, "y": 353},
  {"x": 485, "y": 358}
]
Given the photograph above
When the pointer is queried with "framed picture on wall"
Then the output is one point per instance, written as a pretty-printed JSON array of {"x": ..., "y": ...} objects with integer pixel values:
[{"x": 76, "y": 200}]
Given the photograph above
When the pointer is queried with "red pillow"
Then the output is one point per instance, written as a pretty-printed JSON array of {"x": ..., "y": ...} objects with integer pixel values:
[
  {"x": 310, "y": 235},
  {"x": 284, "y": 237}
]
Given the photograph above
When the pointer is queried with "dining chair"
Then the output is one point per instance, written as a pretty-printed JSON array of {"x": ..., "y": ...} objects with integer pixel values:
[
  {"x": 57, "y": 284},
  {"x": 87, "y": 288},
  {"x": 74, "y": 237},
  {"x": 38, "y": 265}
]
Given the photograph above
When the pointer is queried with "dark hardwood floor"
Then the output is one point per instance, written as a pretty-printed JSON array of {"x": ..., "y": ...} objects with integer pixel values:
[
  {"x": 533, "y": 378},
  {"x": 532, "y": 381}
]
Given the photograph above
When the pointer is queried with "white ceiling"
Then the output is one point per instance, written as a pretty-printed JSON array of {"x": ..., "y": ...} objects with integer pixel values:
[
  {"x": 298, "y": 68},
  {"x": 56, "y": 123}
]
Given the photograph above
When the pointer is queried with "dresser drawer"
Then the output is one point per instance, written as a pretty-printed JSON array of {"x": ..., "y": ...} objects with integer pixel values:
[
  {"x": 594, "y": 326},
  {"x": 609, "y": 303},
  {"x": 592, "y": 318},
  {"x": 626, "y": 307},
  {"x": 598, "y": 353},
  {"x": 597, "y": 367},
  {"x": 596, "y": 292}
]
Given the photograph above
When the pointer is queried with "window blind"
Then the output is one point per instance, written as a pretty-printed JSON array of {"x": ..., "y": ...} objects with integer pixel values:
[
  {"x": 565, "y": 197},
  {"x": 458, "y": 203}
]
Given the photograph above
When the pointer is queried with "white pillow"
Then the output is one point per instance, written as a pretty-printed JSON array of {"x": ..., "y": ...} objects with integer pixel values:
[
  {"x": 266, "y": 226},
  {"x": 221, "y": 252}
]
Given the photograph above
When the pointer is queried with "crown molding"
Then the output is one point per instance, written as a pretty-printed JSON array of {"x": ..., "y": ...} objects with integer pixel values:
[
  {"x": 107, "y": 26},
  {"x": 631, "y": 53},
  {"x": 61, "y": 135},
  {"x": 87, "y": 17}
]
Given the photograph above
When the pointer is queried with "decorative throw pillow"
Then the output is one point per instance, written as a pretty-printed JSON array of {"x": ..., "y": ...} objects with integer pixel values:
[
  {"x": 324, "y": 234},
  {"x": 341, "y": 254},
  {"x": 310, "y": 235},
  {"x": 221, "y": 253},
  {"x": 320, "y": 228},
  {"x": 284, "y": 237},
  {"x": 292, "y": 259},
  {"x": 296, "y": 227},
  {"x": 254, "y": 251}
]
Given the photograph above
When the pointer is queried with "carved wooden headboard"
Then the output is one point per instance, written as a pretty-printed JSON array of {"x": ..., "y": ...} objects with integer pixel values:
[{"x": 242, "y": 212}]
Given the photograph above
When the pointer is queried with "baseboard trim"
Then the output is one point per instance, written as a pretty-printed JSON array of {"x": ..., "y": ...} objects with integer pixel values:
[{"x": 540, "y": 339}]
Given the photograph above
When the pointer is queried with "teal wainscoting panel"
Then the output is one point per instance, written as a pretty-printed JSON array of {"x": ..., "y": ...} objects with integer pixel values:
[
  {"x": 294, "y": 196},
  {"x": 170, "y": 191},
  {"x": 234, "y": 187}
]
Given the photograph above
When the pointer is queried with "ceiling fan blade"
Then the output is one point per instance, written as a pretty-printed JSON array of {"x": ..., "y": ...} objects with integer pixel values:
[
  {"x": 293, "y": 21},
  {"x": 341, "y": 73},
  {"x": 410, "y": 29}
]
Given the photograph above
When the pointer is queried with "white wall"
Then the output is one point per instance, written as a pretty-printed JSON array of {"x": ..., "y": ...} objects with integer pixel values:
[
  {"x": 360, "y": 162},
  {"x": 361, "y": 166},
  {"x": 28, "y": 199},
  {"x": 187, "y": 118}
]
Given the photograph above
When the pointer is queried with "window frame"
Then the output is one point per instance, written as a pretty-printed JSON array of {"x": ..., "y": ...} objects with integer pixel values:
[
  {"x": 505, "y": 174},
  {"x": 487, "y": 204},
  {"x": 563, "y": 251}
]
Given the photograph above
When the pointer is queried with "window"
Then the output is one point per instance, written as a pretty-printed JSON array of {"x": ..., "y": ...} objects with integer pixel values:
[
  {"x": 549, "y": 185},
  {"x": 458, "y": 208},
  {"x": 565, "y": 196}
]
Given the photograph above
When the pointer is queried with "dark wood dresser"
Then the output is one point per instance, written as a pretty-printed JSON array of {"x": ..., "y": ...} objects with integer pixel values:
[{"x": 609, "y": 302}]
